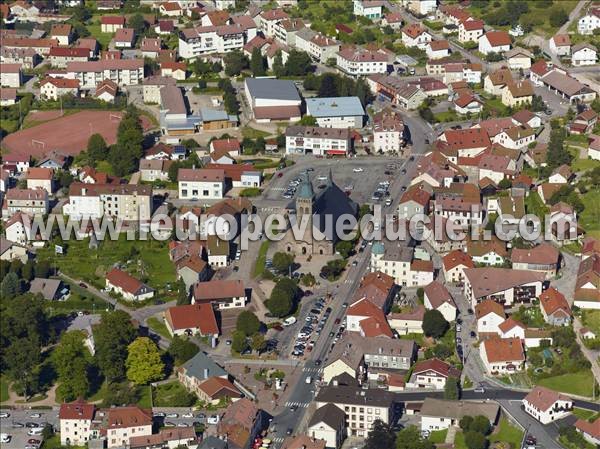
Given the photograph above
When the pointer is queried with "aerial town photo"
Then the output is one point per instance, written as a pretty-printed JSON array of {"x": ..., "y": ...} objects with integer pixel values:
[{"x": 300, "y": 224}]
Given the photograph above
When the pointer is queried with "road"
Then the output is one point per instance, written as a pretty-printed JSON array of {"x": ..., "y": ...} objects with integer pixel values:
[{"x": 573, "y": 15}]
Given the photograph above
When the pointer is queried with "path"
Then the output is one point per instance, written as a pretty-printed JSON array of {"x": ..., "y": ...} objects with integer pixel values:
[
  {"x": 572, "y": 16},
  {"x": 591, "y": 355},
  {"x": 16, "y": 400}
]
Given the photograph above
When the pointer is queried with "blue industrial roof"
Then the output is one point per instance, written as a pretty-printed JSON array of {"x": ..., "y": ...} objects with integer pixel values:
[
  {"x": 334, "y": 107},
  {"x": 211, "y": 115}
]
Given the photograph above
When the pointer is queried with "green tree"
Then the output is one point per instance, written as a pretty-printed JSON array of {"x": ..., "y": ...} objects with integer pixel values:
[
  {"x": 410, "y": 438},
  {"x": 138, "y": 24},
  {"x": 120, "y": 393},
  {"x": 10, "y": 286},
  {"x": 308, "y": 120},
  {"x": 257, "y": 63},
  {"x": 298, "y": 63},
  {"x": 96, "y": 149},
  {"x": 21, "y": 359},
  {"x": 70, "y": 362},
  {"x": 475, "y": 440},
  {"x": 239, "y": 342},
  {"x": 112, "y": 337},
  {"x": 282, "y": 262},
  {"x": 434, "y": 324},
  {"x": 235, "y": 62},
  {"x": 481, "y": 425},
  {"x": 42, "y": 269},
  {"x": 258, "y": 343},
  {"x": 247, "y": 323},
  {"x": 183, "y": 296},
  {"x": 278, "y": 68},
  {"x": 182, "y": 350},
  {"x": 283, "y": 297},
  {"x": 451, "y": 388},
  {"x": 144, "y": 364},
  {"x": 27, "y": 272},
  {"x": 328, "y": 87},
  {"x": 381, "y": 436},
  {"x": 558, "y": 17},
  {"x": 345, "y": 248}
]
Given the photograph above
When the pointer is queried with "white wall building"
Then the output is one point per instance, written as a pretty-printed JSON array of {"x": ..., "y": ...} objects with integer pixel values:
[
  {"x": 317, "y": 141},
  {"x": 338, "y": 112},
  {"x": 547, "y": 405},
  {"x": 201, "y": 183}
]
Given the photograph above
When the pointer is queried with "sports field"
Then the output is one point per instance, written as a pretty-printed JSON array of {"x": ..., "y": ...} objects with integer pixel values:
[{"x": 68, "y": 134}]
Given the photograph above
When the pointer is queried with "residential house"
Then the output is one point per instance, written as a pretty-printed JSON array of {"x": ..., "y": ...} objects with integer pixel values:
[
  {"x": 241, "y": 423},
  {"x": 117, "y": 425},
  {"x": 584, "y": 54},
  {"x": 124, "y": 72},
  {"x": 415, "y": 35},
  {"x": 63, "y": 33},
  {"x": 319, "y": 46},
  {"x": 106, "y": 91},
  {"x": 547, "y": 405},
  {"x": 506, "y": 286},
  {"x": 54, "y": 88},
  {"x": 60, "y": 56},
  {"x": 496, "y": 82},
  {"x": 11, "y": 75},
  {"x": 415, "y": 201},
  {"x": 488, "y": 252},
  {"x": 362, "y": 408},
  {"x": 470, "y": 30},
  {"x": 76, "y": 422},
  {"x": 201, "y": 183},
  {"x": 10, "y": 251},
  {"x": 502, "y": 355},
  {"x": 268, "y": 20},
  {"x": 518, "y": 58},
  {"x": 367, "y": 319},
  {"x": 176, "y": 70},
  {"x": 589, "y": 22},
  {"x": 192, "y": 319},
  {"x": 328, "y": 424},
  {"x": 377, "y": 288},
  {"x": 560, "y": 44},
  {"x": 150, "y": 47},
  {"x": 438, "y": 49},
  {"x": 432, "y": 374},
  {"x": 490, "y": 315},
  {"x": 526, "y": 118},
  {"x": 555, "y": 308},
  {"x": 111, "y": 24},
  {"x": 225, "y": 294},
  {"x": 593, "y": 151},
  {"x": 49, "y": 289},
  {"x": 371, "y": 9},
  {"x": 216, "y": 390},
  {"x": 154, "y": 169},
  {"x": 389, "y": 132},
  {"x": 517, "y": 93},
  {"x": 467, "y": 103},
  {"x": 31, "y": 201},
  {"x": 40, "y": 178},
  {"x": 170, "y": 438},
  {"x": 439, "y": 414},
  {"x": 589, "y": 430},
  {"x": 197, "y": 370},
  {"x": 317, "y": 141},
  {"x": 397, "y": 261},
  {"x": 584, "y": 122},
  {"x": 393, "y": 20},
  {"x": 561, "y": 175},
  {"x": 494, "y": 42},
  {"x": 543, "y": 258},
  {"x": 420, "y": 7},
  {"x": 437, "y": 297},
  {"x": 130, "y": 288},
  {"x": 453, "y": 265},
  {"x": 361, "y": 62},
  {"x": 408, "y": 322}
]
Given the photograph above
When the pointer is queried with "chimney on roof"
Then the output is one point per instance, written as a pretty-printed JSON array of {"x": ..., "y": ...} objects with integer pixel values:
[{"x": 206, "y": 373}]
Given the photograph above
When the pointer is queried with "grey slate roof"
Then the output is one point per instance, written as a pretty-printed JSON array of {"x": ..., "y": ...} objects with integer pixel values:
[
  {"x": 211, "y": 442},
  {"x": 272, "y": 89},
  {"x": 457, "y": 409},
  {"x": 329, "y": 414},
  {"x": 196, "y": 365},
  {"x": 47, "y": 287},
  {"x": 334, "y": 107},
  {"x": 342, "y": 394}
]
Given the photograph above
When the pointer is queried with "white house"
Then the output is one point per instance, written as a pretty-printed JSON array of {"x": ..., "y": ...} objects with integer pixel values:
[
  {"x": 584, "y": 54},
  {"x": 201, "y": 183},
  {"x": 389, "y": 132},
  {"x": 76, "y": 422},
  {"x": 124, "y": 284},
  {"x": 432, "y": 374},
  {"x": 437, "y": 297},
  {"x": 490, "y": 315},
  {"x": 10, "y": 75},
  {"x": 371, "y": 9},
  {"x": 317, "y": 141},
  {"x": 192, "y": 319},
  {"x": 470, "y": 30},
  {"x": 414, "y": 35},
  {"x": 438, "y": 49},
  {"x": 494, "y": 42},
  {"x": 328, "y": 423},
  {"x": 361, "y": 62},
  {"x": 502, "y": 355},
  {"x": 438, "y": 414},
  {"x": 590, "y": 22},
  {"x": 338, "y": 112},
  {"x": 547, "y": 405},
  {"x": 560, "y": 44}
]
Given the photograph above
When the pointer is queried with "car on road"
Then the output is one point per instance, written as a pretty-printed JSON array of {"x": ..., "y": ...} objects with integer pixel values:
[
  {"x": 4, "y": 415},
  {"x": 358, "y": 170},
  {"x": 158, "y": 414},
  {"x": 337, "y": 321},
  {"x": 187, "y": 415},
  {"x": 344, "y": 305},
  {"x": 318, "y": 362},
  {"x": 458, "y": 340},
  {"x": 83, "y": 285},
  {"x": 36, "y": 431},
  {"x": 331, "y": 334},
  {"x": 403, "y": 188},
  {"x": 17, "y": 425},
  {"x": 31, "y": 425},
  {"x": 354, "y": 263},
  {"x": 169, "y": 424},
  {"x": 308, "y": 380},
  {"x": 5, "y": 438},
  {"x": 228, "y": 342},
  {"x": 458, "y": 328},
  {"x": 201, "y": 416},
  {"x": 35, "y": 415},
  {"x": 172, "y": 415},
  {"x": 293, "y": 407},
  {"x": 470, "y": 311},
  {"x": 213, "y": 419},
  {"x": 479, "y": 389},
  {"x": 472, "y": 334},
  {"x": 289, "y": 431}
]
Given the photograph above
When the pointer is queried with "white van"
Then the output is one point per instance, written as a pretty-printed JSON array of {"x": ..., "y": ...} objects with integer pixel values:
[
  {"x": 289, "y": 321},
  {"x": 4, "y": 438},
  {"x": 35, "y": 431},
  {"x": 308, "y": 380}
]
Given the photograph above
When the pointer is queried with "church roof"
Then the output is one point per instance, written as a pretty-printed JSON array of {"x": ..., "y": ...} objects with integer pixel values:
[{"x": 306, "y": 189}]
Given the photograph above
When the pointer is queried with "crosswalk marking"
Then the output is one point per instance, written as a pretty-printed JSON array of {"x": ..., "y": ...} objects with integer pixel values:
[
  {"x": 312, "y": 370},
  {"x": 297, "y": 404}
]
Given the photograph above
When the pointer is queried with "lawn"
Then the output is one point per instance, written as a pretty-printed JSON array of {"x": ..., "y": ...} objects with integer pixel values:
[
  {"x": 584, "y": 164},
  {"x": 102, "y": 38},
  {"x": 157, "y": 324},
  {"x": 508, "y": 434},
  {"x": 259, "y": 267},
  {"x": 585, "y": 414},
  {"x": 252, "y": 133},
  {"x": 448, "y": 116},
  {"x": 147, "y": 260},
  {"x": 438, "y": 436},
  {"x": 591, "y": 318},
  {"x": 145, "y": 395},
  {"x": 590, "y": 217},
  {"x": 170, "y": 395},
  {"x": 54, "y": 443},
  {"x": 535, "y": 205},
  {"x": 3, "y": 389},
  {"x": 459, "y": 441},
  {"x": 580, "y": 383}
]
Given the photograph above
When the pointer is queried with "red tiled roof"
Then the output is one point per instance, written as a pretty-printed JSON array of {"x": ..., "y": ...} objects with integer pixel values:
[
  {"x": 438, "y": 294},
  {"x": 591, "y": 428},
  {"x": 472, "y": 25},
  {"x": 78, "y": 409},
  {"x": 226, "y": 145},
  {"x": 375, "y": 323},
  {"x": 276, "y": 112},
  {"x": 456, "y": 258},
  {"x": 124, "y": 280},
  {"x": 123, "y": 417},
  {"x": 76, "y": 52},
  {"x": 193, "y": 316},
  {"x": 488, "y": 306},
  {"x": 541, "y": 254},
  {"x": 509, "y": 324},
  {"x": 40, "y": 173},
  {"x": 437, "y": 365},
  {"x": 416, "y": 194},
  {"x": 112, "y": 20},
  {"x": 219, "y": 289},
  {"x": 498, "y": 38},
  {"x": 504, "y": 350},
  {"x": 216, "y": 387},
  {"x": 543, "y": 398},
  {"x": 552, "y": 301},
  {"x": 413, "y": 30}
]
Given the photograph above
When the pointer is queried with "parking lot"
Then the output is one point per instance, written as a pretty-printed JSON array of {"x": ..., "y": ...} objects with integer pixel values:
[
  {"x": 357, "y": 176},
  {"x": 23, "y": 428}
]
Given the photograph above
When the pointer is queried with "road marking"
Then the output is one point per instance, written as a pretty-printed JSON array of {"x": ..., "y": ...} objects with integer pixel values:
[{"x": 297, "y": 404}]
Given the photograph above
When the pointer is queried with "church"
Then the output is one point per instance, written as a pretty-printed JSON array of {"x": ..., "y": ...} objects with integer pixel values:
[{"x": 323, "y": 210}]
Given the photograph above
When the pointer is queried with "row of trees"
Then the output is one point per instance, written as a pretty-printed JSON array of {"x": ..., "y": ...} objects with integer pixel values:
[
  {"x": 334, "y": 85},
  {"x": 283, "y": 297},
  {"x": 247, "y": 333}
]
